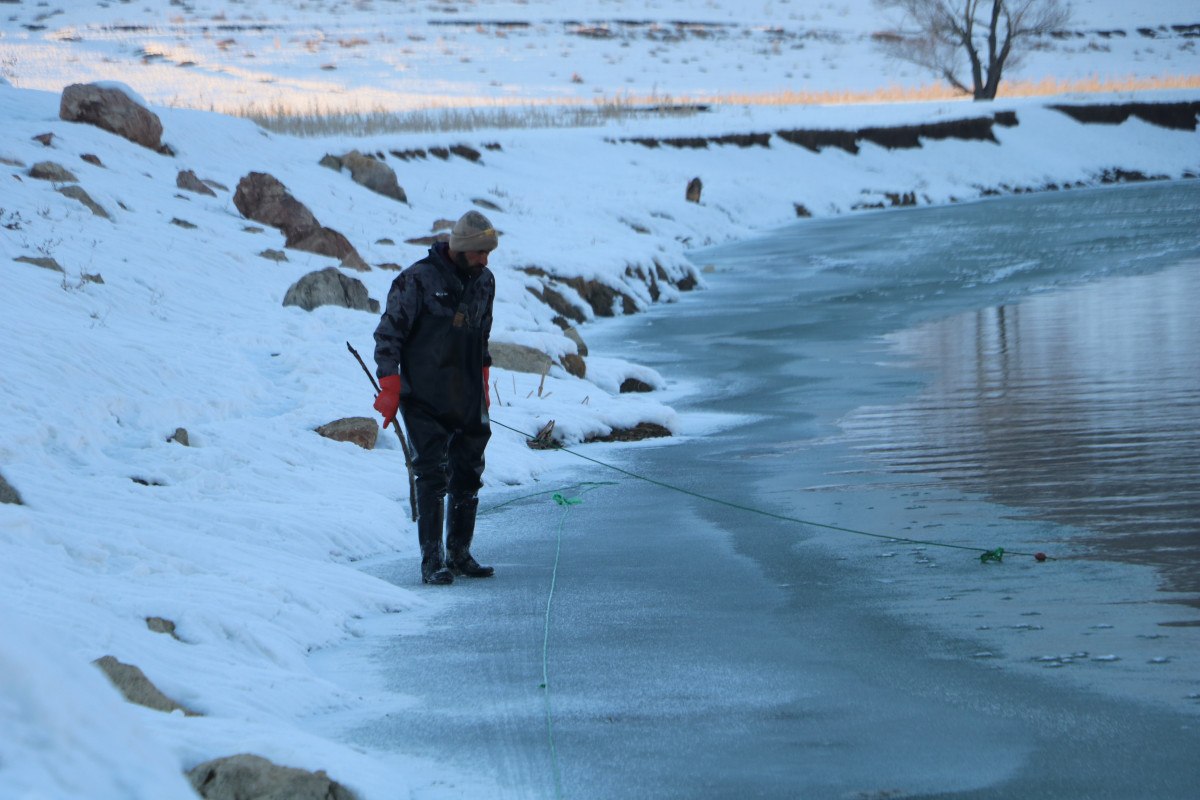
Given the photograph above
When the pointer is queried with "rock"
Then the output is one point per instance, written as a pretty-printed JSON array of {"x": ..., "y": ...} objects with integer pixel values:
[
  {"x": 469, "y": 153},
  {"x": 573, "y": 335},
  {"x": 264, "y": 199},
  {"x": 251, "y": 777},
  {"x": 643, "y": 430},
  {"x": 329, "y": 287},
  {"x": 50, "y": 171},
  {"x": 273, "y": 255},
  {"x": 8, "y": 494},
  {"x": 485, "y": 204},
  {"x": 44, "y": 263},
  {"x": 113, "y": 110},
  {"x": 558, "y": 303},
  {"x": 634, "y": 385},
  {"x": 160, "y": 625},
  {"x": 574, "y": 364},
  {"x": 180, "y": 436},
  {"x": 92, "y": 159},
  {"x": 362, "y": 431},
  {"x": 77, "y": 193},
  {"x": 187, "y": 180},
  {"x": 801, "y": 210},
  {"x": 44, "y": 139},
  {"x": 694, "y": 187},
  {"x": 374, "y": 175},
  {"x": 331, "y": 162},
  {"x": 426, "y": 241},
  {"x": 519, "y": 358},
  {"x": 137, "y": 688},
  {"x": 602, "y": 297},
  {"x": 327, "y": 242},
  {"x": 182, "y": 223}
]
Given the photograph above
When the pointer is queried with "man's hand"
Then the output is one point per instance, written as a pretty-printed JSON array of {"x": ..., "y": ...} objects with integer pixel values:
[
  {"x": 487, "y": 392},
  {"x": 387, "y": 402}
]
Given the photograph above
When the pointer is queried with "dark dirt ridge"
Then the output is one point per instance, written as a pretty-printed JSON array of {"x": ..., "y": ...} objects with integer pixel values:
[{"x": 1176, "y": 116}]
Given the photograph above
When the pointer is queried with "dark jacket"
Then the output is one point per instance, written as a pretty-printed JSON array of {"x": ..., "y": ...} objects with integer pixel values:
[{"x": 434, "y": 334}]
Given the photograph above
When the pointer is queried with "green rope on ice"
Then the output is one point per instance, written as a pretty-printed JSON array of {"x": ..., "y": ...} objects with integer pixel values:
[
  {"x": 996, "y": 555},
  {"x": 561, "y": 489},
  {"x": 772, "y": 515},
  {"x": 566, "y": 503}
]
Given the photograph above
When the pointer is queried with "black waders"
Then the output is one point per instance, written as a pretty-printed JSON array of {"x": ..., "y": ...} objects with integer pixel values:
[{"x": 459, "y": 532}]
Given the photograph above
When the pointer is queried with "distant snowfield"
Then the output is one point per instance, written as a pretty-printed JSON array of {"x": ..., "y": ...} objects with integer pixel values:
[
  {"x": 247, "y": 540},
  {"x": 373, "y": 55}
]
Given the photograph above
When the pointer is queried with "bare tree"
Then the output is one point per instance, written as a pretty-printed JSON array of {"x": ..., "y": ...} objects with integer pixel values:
[{"x": 984, "y": 35}]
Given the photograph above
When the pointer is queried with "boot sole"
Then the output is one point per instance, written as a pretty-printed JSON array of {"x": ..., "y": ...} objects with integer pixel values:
[{"x": 458, "y": 573}]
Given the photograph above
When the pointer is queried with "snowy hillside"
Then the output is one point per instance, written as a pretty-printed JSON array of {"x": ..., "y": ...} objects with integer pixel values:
[{"x": 163, "y": 312}]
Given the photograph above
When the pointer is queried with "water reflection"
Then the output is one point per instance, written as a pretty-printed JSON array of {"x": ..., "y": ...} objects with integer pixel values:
[{"x": 1082, "y": 405}]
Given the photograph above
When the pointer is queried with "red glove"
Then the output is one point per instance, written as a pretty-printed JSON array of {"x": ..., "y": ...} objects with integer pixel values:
[
  {"x": 387, "y": 402},
  {"x": 487, "y": 392}
]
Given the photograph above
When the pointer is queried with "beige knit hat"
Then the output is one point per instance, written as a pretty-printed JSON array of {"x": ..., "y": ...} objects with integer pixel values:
[{"x": 472, "y": 232}]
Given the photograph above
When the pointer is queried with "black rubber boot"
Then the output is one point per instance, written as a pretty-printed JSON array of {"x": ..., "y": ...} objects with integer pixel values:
[
  {"x": 459, "y": 533},
  {"x": 429, "y": 533}
]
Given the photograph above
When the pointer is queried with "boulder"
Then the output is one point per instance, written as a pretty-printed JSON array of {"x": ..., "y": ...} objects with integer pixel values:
[
  {"x": 694, "y": 187},
  {"x": 329, "y": 287},
  {"x": 136, "y": 687},
  {"x": 519, "y": 358},
  {"x": 8, "y": 494},
  {"x": 635, "y": 385},
  {"x": 326, "y": 242},
  {"x": 374, "y": 175},
  {"x": 77, "y": 193},
  {"x": 111, "y": 109},
  {"x": 251, "y": 777},
  {"x": 188, "y": 181},
  {"x": 51, "y": 171},
  {"x": 262, "y": 198},
  {"x": 362, "y": 431}
]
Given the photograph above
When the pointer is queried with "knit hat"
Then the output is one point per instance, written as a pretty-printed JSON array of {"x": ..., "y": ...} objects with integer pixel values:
[{"x": 472, "y": 232}]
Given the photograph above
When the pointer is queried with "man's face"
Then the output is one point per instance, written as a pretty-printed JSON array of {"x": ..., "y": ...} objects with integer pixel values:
[{"x": 474, "y": 260}]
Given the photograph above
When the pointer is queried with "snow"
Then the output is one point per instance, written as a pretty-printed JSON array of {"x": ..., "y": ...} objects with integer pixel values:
[{"x": 251, "y": 540}]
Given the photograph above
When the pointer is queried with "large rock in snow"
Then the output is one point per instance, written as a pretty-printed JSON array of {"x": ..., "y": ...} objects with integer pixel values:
[
  {"x": 113, "y": 110},
  {"x": 369, "y": 172},
  {"x": 262, "y": 198},
  {"x": 329, "y": 287}
]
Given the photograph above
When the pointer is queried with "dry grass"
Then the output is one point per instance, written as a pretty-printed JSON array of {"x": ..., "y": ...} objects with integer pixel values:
[{"x": 320, "y": 120}]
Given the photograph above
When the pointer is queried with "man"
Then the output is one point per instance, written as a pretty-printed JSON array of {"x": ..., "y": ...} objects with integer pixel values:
[{"x": 431, "y": 356}]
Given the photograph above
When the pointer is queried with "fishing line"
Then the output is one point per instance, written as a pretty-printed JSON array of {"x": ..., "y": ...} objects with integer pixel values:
[{"x": 985, "y": 555}]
